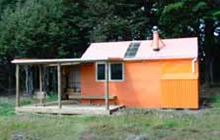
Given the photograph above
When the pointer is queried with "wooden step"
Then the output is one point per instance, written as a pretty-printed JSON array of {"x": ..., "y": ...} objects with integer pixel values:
[
  {"x": 70, "y": 90},
  {"x": 72, "y": 94}
]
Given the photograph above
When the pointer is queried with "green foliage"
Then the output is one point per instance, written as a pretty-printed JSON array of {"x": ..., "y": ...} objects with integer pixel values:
[
  {"x": 52, "y": 97},
  {"x": 200, "y": 6},
  {"x": 177, "y": 17},
  {"x": 107, "y": 21},
  {"x": 37, "y": 29},
  {"x": 214, "y": 101},
  {"x": 172, "y": 18},
  {"x": 7, "y": 105},
  {"x": 64, "y": 28},
  {"x": 216, "y": 14},
  {"x": 6, "y": 109}
]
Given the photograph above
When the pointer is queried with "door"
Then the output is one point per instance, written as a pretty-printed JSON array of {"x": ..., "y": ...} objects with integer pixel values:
[{"x": 74, "y": 80}]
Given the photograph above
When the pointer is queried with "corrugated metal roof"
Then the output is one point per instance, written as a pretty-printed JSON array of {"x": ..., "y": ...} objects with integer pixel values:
[{"x": 173, "y": 49}]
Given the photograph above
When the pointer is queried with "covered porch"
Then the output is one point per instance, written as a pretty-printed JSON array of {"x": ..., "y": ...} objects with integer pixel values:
[{"x": 62, "y": 106}]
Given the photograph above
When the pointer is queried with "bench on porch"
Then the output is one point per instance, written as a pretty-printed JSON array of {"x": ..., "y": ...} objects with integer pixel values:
[
  {"x": 91, "y": 98},
  {"x": 75, "y": 94}
]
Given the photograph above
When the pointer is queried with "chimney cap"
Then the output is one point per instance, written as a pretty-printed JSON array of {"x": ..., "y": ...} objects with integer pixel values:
[{"x": 155, "y": 29}]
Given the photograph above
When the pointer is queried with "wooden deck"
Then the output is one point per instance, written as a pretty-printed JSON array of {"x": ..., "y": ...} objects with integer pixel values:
[{"x": 69, "y": 109}]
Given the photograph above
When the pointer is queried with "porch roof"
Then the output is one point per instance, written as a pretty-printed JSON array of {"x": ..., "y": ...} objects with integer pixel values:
[{"x": 59, "y": 61}]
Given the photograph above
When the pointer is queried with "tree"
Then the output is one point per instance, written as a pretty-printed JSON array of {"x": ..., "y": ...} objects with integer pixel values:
[
  {"x": 65, "y": 28},
  {"x": 39, "y": 29}
]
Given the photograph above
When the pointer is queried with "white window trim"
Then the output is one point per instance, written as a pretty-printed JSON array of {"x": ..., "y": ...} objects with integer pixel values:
[{"x": 109, "y": 75}]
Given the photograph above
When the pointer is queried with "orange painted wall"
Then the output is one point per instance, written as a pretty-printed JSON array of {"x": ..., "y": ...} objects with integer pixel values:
[
  {"x": 180, "y": 94},
  {"x": 142, "y": 86},
  {"x": 179, "y": 86}
]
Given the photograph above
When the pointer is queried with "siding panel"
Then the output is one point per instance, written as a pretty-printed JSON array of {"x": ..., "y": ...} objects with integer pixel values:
[{"x": 178, "y": 93}]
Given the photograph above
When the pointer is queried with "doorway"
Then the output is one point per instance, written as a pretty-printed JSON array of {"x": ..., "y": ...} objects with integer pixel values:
[{"x": 73, "y": 80}]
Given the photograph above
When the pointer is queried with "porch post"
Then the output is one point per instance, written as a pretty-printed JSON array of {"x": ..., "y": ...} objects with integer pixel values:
[
  {"x": 107, "y": 85},
  {"x": 17, "y": 87},
  {"x": 59, "y": 84},
  {"x": 40, "y": 79}
]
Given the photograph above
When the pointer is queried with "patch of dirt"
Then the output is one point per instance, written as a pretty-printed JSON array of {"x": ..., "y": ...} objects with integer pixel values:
[
  {"x": 23, "y": 137},
  {"x": 87, "y": 136},
  {"x": 170, "y": 138},
  {"x": 137, "y": 137},
  {"x": 192, "y": 130},
  {"x": 215, "y": 133},
  {"x": 158, "y": 127}
]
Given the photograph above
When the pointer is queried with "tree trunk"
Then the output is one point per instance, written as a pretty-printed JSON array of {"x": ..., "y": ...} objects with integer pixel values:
[
  {"x": 211, "y": 72},
  {"x": 26, "y": 80}
]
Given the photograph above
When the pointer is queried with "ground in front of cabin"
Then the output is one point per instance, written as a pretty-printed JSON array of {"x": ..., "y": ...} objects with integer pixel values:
[{"x": 125, "y": 125}]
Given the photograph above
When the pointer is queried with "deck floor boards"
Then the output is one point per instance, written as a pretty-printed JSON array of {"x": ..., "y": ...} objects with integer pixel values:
[{"x": 68, "y": 109}]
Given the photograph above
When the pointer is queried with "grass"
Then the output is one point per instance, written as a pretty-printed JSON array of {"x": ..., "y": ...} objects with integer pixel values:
[
  {"x": 125, "y": 125},
  {"x": 215, "y": 101}
]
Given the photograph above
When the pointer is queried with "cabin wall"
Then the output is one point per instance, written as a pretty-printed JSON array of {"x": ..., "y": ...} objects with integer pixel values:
[
  {"x": 143, "y": 86},
  {"x": 179, "y": 84}
]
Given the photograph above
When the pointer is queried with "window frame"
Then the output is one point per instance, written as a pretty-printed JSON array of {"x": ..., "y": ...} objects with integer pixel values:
[
  {"x": 123, "y": 71},
  {"x": 109, "y": 72},
  {"x": 96, "y": 71}
]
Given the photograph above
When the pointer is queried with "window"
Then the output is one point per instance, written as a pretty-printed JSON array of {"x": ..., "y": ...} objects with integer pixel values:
[
  {"x": 100, "y": 71},
  {"x": 132, "y": 50},
  {"x": 116, "y": 71}
]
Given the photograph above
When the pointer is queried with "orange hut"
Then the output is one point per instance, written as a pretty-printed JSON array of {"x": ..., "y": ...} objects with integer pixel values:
[
  {"x": 137, "y": 74},
  {"x": 141, "y": 77}
]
